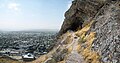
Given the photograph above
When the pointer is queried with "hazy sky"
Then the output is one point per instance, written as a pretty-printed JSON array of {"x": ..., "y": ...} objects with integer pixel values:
[{"x": 32, "y": 14}]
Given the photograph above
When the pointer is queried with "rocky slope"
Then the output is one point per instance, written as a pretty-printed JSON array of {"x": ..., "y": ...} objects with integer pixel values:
[
  {"x": 90, "y": 34},
  {"x": 107, "y": 28},
  {"x": 74, "y": 47},
  {"x": 106, "y": 25}
]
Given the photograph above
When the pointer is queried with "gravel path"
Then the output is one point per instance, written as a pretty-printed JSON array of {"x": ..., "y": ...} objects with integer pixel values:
[{"x": 74, "y": 56}]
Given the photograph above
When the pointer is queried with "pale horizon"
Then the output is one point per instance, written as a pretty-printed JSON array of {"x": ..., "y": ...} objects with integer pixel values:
[{"x": 17, "y": 15}]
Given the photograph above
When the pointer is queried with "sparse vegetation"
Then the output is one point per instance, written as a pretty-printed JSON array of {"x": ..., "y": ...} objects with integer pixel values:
[
  {"x": 86, "y": 43},
  {"x": 82, "y": 46}
]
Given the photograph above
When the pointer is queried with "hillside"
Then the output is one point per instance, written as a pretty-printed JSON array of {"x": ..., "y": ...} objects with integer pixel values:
[
  {"x": 90, "y": 34},
  {"x": 74, "y": 47},
  {"x": 106, "y": 25}
]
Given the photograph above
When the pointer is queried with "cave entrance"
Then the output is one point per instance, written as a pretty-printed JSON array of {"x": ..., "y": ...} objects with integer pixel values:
[{"x": 77, "y": 24}]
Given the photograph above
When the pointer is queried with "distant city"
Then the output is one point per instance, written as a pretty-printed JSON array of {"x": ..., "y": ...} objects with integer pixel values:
[{"x": 14, "y": 44}]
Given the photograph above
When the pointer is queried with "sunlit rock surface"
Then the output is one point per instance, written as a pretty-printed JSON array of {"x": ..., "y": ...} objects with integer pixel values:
[
  {"x": 106, "y": 16},
  {"x": 95, "y": 35}
]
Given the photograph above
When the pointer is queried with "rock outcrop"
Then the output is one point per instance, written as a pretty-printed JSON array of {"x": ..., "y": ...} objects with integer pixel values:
[
  {"x": 80, "y": 13},
  {"x": 106, "y": 25},
  {"x": 94, "y": 35}
]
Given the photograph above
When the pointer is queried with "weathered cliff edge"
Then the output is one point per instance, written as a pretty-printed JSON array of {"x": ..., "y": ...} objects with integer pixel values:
[{"x": 106, "y": 25}]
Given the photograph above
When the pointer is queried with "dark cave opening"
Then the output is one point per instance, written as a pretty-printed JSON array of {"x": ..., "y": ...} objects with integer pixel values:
[
  {"x": 77, "y": 24},
  {"x": 72, "y": 24}
]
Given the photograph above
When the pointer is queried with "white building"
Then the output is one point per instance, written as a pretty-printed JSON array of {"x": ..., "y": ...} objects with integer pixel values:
[{"x": 28, "y": 57}]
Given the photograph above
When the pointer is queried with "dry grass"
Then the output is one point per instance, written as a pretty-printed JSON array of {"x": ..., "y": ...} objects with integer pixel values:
[
  {"x": 90, "y": 38},
  {"x": 85, "y": 44},
  {"x": 78, "y": 47},
  {"x": 70, "y": 49},
  {"x": 81, "y": 33},
  {"x": 83, "y": 47},
  {"x": 88, "y": 54}
]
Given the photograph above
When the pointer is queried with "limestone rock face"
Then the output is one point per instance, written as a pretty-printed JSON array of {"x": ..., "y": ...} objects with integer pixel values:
[{"x": 106, "y": 16}]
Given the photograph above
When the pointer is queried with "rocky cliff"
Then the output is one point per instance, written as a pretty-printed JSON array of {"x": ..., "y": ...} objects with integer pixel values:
[
  {"x": 80, "y": 12},
  {"x": 106, "y": 25},
  {"x": 90, "y": 34}
]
